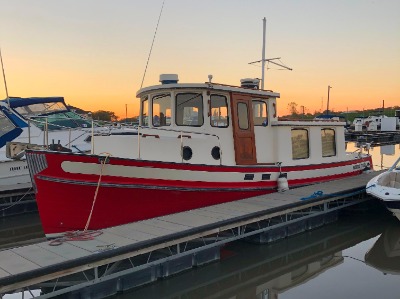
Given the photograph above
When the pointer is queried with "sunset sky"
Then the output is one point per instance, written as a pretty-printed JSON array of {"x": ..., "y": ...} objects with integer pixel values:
[{"x": 94, "y": 52}]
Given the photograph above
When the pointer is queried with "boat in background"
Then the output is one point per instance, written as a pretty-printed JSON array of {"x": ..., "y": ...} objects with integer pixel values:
[
  {"x": 386, "y": 187},
  {"x": 37, "y": 122},
  {"x": 198, "y": 144},
  {"x": 44, "y": 123}
]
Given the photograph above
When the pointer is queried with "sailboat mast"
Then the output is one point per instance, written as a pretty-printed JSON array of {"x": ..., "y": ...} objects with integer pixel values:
[
  {"x": 263, "y": 55},
  {"x": 5, "y": 82}
]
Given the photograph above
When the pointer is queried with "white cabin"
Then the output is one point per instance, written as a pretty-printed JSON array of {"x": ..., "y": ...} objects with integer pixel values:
[{"x": 218, "y": 124}]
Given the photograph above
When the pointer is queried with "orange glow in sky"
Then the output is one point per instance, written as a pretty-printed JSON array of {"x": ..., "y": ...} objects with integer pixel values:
[{"x": 93, "y": 53}]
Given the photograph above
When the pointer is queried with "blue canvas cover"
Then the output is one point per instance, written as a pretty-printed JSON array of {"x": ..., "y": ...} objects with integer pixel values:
[{"x": 19, "y": 102}]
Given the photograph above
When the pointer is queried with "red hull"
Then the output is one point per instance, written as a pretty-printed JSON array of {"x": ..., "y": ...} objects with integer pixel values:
[
  {"x": 115, "y": 207},
  {"x": 65, "y": 199}
]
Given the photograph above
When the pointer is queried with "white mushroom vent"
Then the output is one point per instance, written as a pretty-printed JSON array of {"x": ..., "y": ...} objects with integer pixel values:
[
  {"x": 169, "y": 78},
  {"x": 252, "y": 83}
]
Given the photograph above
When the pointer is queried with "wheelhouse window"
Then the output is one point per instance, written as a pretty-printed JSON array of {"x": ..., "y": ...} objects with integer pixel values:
[
  {"x": 243, "y": 113},
  {"x": 260, "y": 113},
  {"x": 300, "y": 144},
  {"x": 189, "y": 109},
  {"x": 219, "y": 111},
  {"x": 144, "y": 114},
  {"x": 161, "y": 110},
  {"x": 328, "y": 142}
]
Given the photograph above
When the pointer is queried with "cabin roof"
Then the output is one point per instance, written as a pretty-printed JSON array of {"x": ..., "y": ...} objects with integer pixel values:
[{"x": 210, "y": 86}]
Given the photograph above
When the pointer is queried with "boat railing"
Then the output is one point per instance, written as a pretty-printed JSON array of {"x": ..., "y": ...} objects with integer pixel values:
[
  {"x": 97, "y": 127},
  {"x": 186, "y": 134},
  {"x": 185, "y": 139},
  {"x": 45, "y": 125}
]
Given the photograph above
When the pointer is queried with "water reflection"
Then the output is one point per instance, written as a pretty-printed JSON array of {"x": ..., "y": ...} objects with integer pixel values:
[
  {"x": 20, "y": 230},
  {"x": 267, "y": 271},
  {"x": 385, "y": 254}
]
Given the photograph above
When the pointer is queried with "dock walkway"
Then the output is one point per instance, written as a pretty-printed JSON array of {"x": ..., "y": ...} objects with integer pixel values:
[{"x": 130, "y": 255}]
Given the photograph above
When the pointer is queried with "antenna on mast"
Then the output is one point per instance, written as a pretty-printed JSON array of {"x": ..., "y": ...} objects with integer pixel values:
[
  {"x": 5, "y": 82},
  {"x": 270, "y": 60}
]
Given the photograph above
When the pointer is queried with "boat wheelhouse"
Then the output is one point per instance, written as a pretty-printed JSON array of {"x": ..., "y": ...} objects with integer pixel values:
[
  {"x": 217, "y": 124},
  {"x": 197, "y": 145}
]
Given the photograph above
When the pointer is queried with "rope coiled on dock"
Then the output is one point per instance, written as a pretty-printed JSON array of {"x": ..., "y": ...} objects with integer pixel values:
[
  {"x": 314, "y": 195},
  {"x": 76, "y": 236},
  {"x": 320, "y": 193}
]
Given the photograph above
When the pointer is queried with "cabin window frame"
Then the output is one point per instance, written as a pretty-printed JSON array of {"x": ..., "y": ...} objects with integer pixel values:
[
  {"x": 180, "y": 113},
  {"x": 301, "y": 147},
  {"x": 144, "y": 123},
  {"x": 161, "y": 121},
  {"x": 225, "y": 122},
  {"x": 264, "y": 121},
  {"x": 328, "y": 152}
]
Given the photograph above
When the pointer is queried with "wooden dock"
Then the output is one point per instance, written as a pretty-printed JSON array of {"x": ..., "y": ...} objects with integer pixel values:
[
  {"x": 131, "y": 255},
  {"x": 376, "y": 138}
]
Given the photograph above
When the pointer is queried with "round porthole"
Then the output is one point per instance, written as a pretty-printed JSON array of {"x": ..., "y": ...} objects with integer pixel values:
[
  {"x": 187, "y": 153},
  {"x": 215, "y": 153}
]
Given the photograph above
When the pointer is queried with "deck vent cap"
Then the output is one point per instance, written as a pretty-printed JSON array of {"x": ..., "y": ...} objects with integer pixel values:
[
  {"x": 252, "y": 83},
  {"x": 169, "y": 78}
]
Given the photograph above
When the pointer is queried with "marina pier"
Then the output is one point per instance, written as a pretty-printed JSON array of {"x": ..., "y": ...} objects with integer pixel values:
[{"x": 123, "y": 257}]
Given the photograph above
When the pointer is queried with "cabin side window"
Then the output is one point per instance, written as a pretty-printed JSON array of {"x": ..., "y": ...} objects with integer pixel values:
[
  {"x": 328, "y": 142},
  {"x": 260, "y": 113},
  {"x": 300, "y": 144},
  {"x": 219, "y": 111},
  {"x": 189, "y": 109},
  {"x": 144, "y": 115},
  {"x": 161, "y": 110}
]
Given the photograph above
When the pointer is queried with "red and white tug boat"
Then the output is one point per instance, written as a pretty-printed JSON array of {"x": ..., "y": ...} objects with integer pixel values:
[{"x": 197, "y": 145}]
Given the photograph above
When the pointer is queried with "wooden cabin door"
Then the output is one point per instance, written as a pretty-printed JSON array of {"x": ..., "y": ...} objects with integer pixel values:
[{"x": 243, "y": 129}]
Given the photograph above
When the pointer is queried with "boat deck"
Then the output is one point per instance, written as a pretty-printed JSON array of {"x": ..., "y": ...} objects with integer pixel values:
[
  {"x": 179, "y": 235},
  {"x": 15, "y": 187}
]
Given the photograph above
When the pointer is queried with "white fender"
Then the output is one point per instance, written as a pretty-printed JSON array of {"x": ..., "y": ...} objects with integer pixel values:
[{"x": 283, "y": 184}]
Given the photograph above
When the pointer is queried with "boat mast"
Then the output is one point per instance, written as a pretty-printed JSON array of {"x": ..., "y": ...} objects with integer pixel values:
[
  {"x": 152, "y": 43},
  {"x": 5, "y": 82},
  {"x": 270, "y": 60},
  {"x": 327, "y": 105},
  {"x": 263, "y": 54}
]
